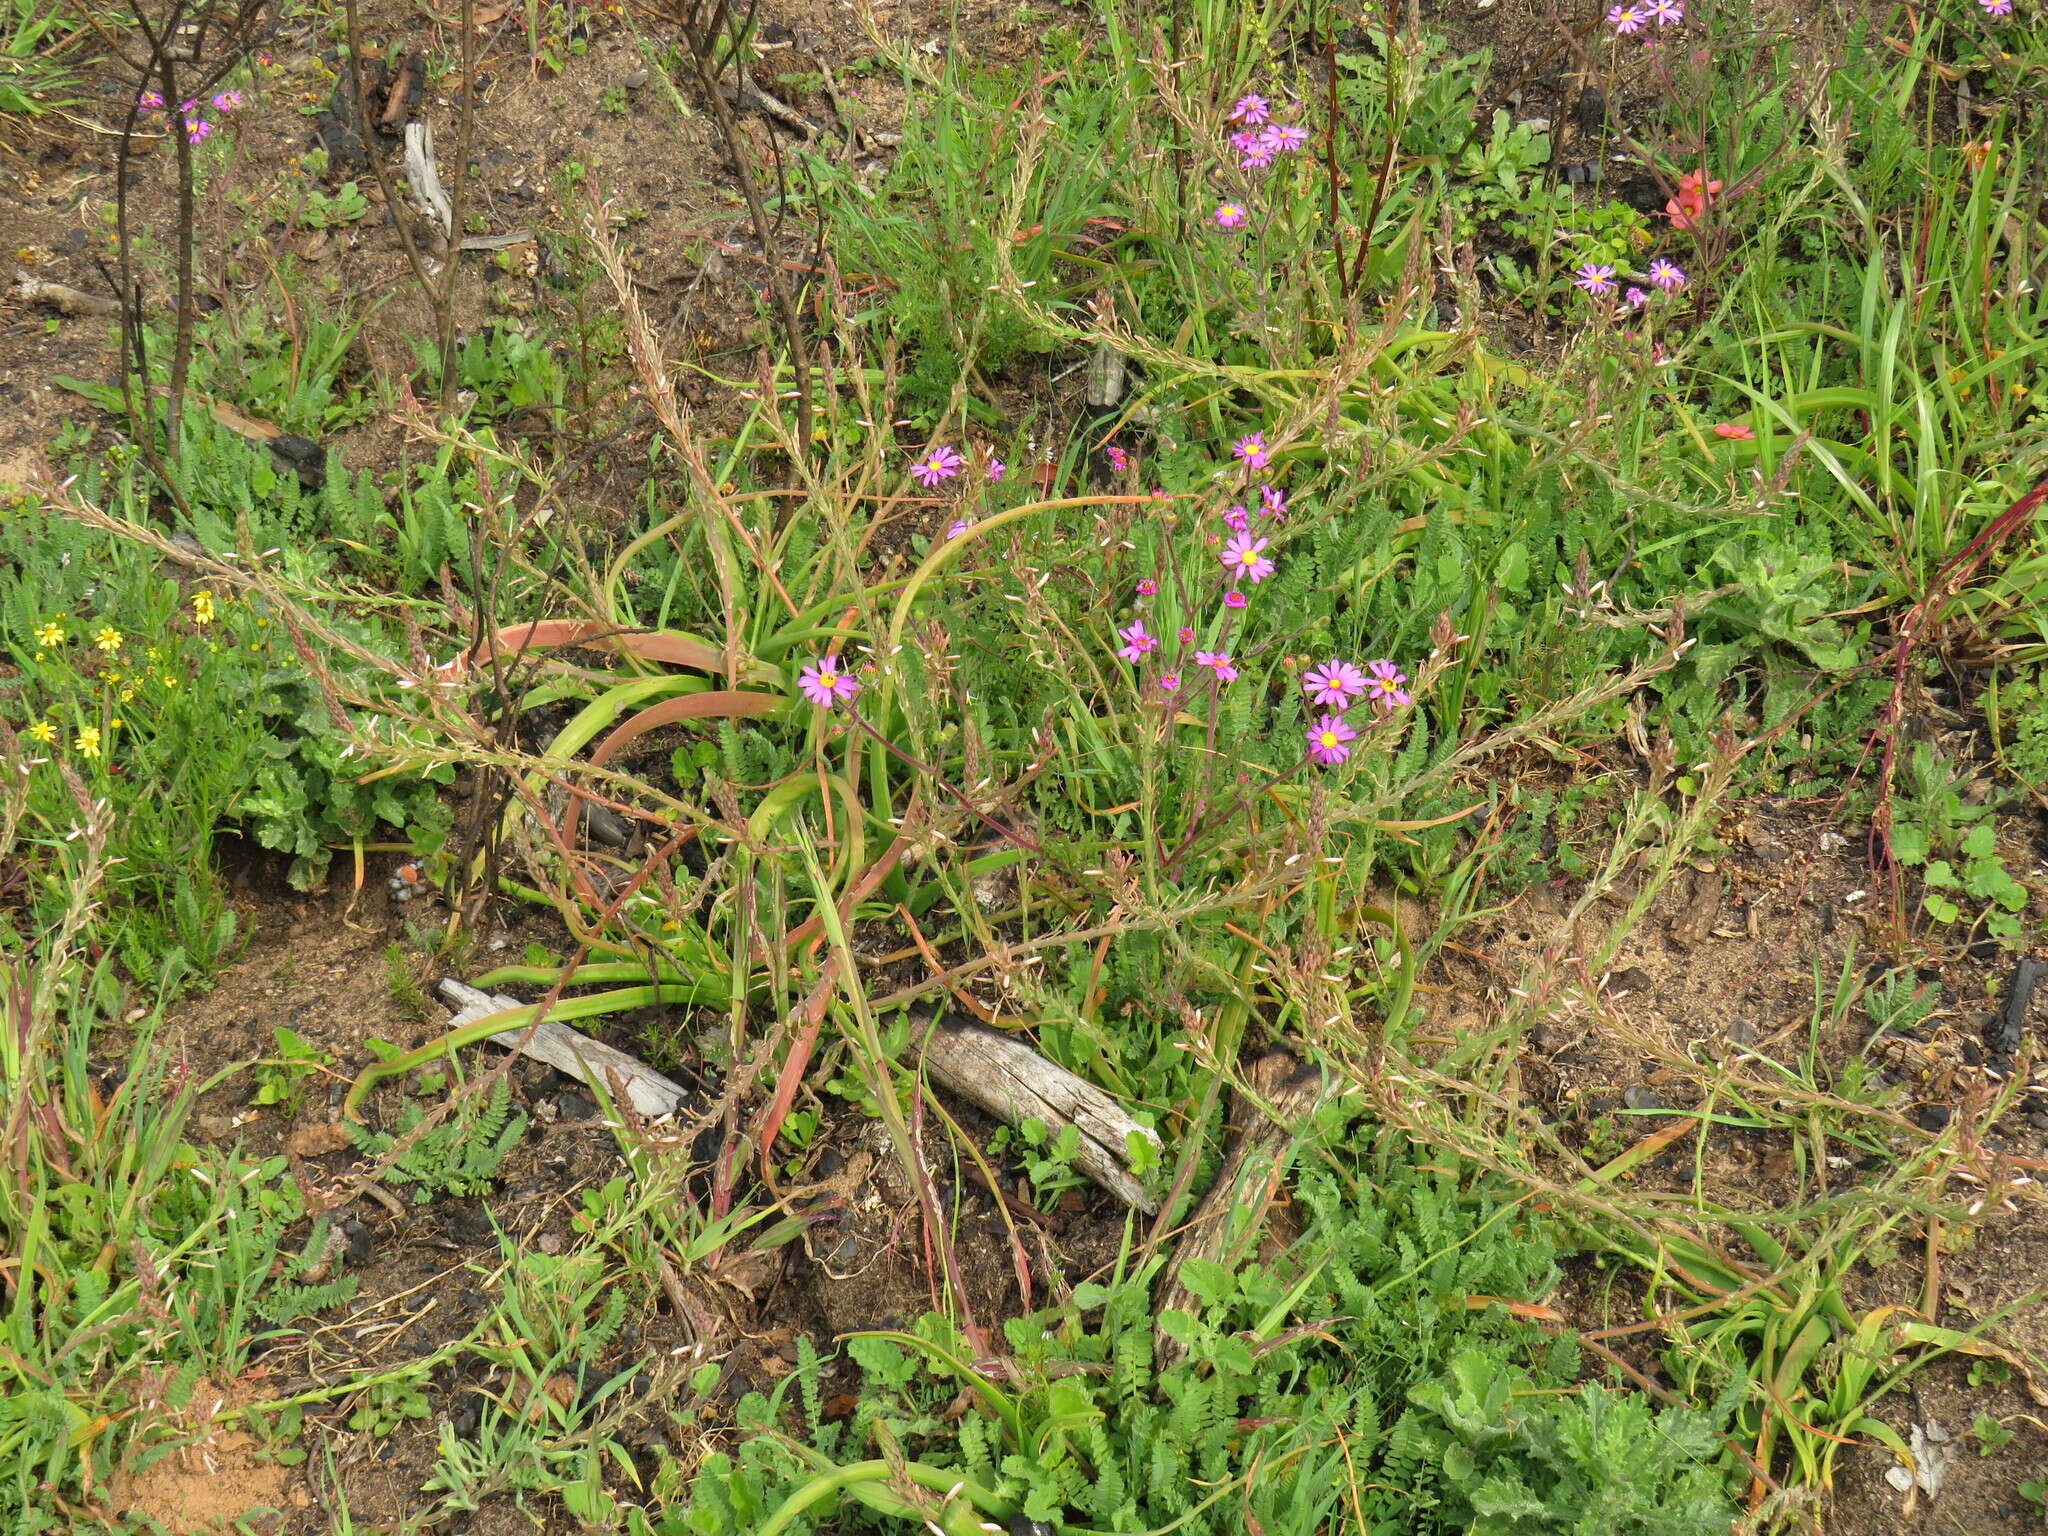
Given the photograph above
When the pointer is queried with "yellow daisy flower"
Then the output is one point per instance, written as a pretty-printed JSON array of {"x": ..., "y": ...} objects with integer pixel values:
[
  {"x": 88, "y": 743},
  {"x": 202, "y": 607},
  {"x": 108, "y": 639},
  {"x": 49, "y": 634},
  {"x": 43, "y": 731}
]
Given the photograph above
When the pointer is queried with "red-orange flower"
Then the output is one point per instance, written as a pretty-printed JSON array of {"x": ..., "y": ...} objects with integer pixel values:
[
  {"x": 1735, "y": 429},
  {"x": 1694, "y": 192}
]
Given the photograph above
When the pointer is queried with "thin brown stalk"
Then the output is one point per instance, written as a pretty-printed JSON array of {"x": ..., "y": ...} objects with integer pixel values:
[
  {"x": 458, "y": 211},
  {"x": 700, "y": 49}
]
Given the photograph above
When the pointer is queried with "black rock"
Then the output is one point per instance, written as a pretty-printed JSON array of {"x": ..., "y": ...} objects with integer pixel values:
[
  {"x": 359, "y": 1243},
  {"x": 2004, "y": 1030},
  {"x": 1591, "y": 111},
  {"x": 302, "y": 456},
  {"x": 1642, "y": 193},
  {"x": 339, "y": 127},
  {"x": 1934, "y": 1117}
]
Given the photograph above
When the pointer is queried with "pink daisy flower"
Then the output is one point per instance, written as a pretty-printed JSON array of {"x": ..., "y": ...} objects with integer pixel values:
[
  {"x": 1250, "y": 108},
  {"x": 996, "y": 470},
  {"x": 1245, "y": 556},
  {"x": 149, "y": 101},
  {"x": 1234, "y": 599},
  {"x": 1169, "y": 682},
  {"x": 825, "y": 683},
  {"x": 1635, "y": 298},
  {"x": 1595, "y": 278},
  {"x": 1235, "y": 520},
  {"x": 1135, "y": 641},
  {"x": 1666, "y": 13},
  {"x": 1272, "y": 502},
  {"x": 1999, "y": 8},
  {"x": 197, "y": 131},
  {"x": 1334, "y": 685},
  {"x": 1386, "y": 686},
  {"x": 1219, "y": 663},
  {"x": 1327, "y": 738},
  {"x": 1284, "y": 137},
  {"x": 1253, "y": 152},
  {"x": 1627, "y": 18},
  {"x": 1251, "y": 449},
  {"x": 1118, "y": 459},
  {"x": 958, "y": 526},
  {"x": 1185, "y": 634},
  {"x": 940, "y": 464},
  {"x": 1230, "y": 215},
  {"x": 1666, "y": 276},
  {"x": 1147, "y": 587},
  {"x": 227, "y": 101}
]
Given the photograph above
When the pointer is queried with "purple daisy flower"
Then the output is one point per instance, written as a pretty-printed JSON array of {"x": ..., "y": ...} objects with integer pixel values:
[
  {"x": 1627, "y": 18},
  {"x": 825, "y": 683},
  {"x": 1147, "y": 587},
  {"x": 1245, "y": 556},
  {"x": 1595, "y": 278},
  {"x": 1284, "y": 137},
  {"x": 227, "y": 101},
  {"x": 1665, "y": 276},
  {"x": 1169, "y": 682},
  {"x": 1185, "y": 634},
  {"x": 150, "y": 101},
  {"x": 1272, "y": 502},
  {"x": 1235, "y": 520},
  {"x": 1118, "y": 459},
  {"x": 1334, "y": 685},
  {"x": 1135, "y": 641},
  {"x": 1667, "y": 13},
  {"x": 1250, "y": 108},
  {"x": 197, "y": 130},
  {"x": 1234, "y": 599},
  {"x": 1386, "y": 686},
  {"x": 1327, "y": 738},
  {"x": 1251, "y": 450},
  {"x": 1230, "y": 215},
  {"x": 958, "y": 526},
  {"x": 940, "y": 464},
  {"x": 996, "y": 470},
  {"x": 1219, "y": 663}
]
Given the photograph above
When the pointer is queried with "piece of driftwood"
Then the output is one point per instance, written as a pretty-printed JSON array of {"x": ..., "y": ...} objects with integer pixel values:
[
  {"x": 1009, "y": 1080},
  {"x": 424, "y": 176},
  {"x": 573, "y": 1052},
  {"x": 1235, "y": 1211},
  {"x": 65, "y": 300}
]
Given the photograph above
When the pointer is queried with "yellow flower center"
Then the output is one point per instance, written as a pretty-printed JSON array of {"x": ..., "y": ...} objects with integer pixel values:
[
  {"x": 1328, "y": 738},
  {"x": 828, "y": 678}
]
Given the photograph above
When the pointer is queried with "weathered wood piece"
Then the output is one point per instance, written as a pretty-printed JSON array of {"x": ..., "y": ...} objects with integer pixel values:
[
  {"x": 65, "y": 300},
  {"x": 424, "y": 176},
  {"x": 571, "y": 1051},
  {"x": 1009, "y": 1080},
  {"x": 1232, "y": 1215}
]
